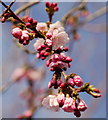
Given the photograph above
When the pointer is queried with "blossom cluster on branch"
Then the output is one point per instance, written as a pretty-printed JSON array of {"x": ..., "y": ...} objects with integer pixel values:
[{"x": 51, "y": 45}]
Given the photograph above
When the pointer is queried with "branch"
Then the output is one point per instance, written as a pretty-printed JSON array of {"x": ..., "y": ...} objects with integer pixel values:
[
  {"x": 23, "y": 48},
  {"x": 5, "y": 87},
  {"x": 69, "y": 13},
  {"x": 94, "y": 15},
  {"x": 26, "y": 6}
]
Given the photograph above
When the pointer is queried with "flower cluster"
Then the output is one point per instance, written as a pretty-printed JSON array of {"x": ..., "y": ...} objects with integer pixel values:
[
  {"x": 55, "y": 39},
  {"x": 58, "y": 62},
  {"x": 68, "y": 104},
  {"x": 23, "y": 35},
  {"x": 68, "y": 96},
  {"x": 51, "y": 42},
  {"x": 31, "y": 23}
]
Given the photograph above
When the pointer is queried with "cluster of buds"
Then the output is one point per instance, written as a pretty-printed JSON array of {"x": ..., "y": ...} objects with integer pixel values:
[
  {"x": 5, "y": 16},
  {"x": 51, "y": 8},
  {"x": 43, "y": 51},
  {"x": 56, "y": 81},
  {"x": 23, "y": 35},
  {"x": 58, "y": 62},
  {"x": 31, "y": 23}
]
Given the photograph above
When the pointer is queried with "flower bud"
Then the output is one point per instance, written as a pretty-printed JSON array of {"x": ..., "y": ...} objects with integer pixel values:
[
  {"x": 30, "y": 20},
  {"x": 56, "y": 9},
  {"x": 71, "y": 82},
  {"x": 17, "y": 32},
  {"x": 78, "y": 80},
  {"x": 81, "y": 105}
]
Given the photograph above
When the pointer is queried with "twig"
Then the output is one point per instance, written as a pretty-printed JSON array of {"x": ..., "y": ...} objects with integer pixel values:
[
  {"x": 69, "y": 13},
  {"x": 5, "y": 87},
  {"x": 26, "y": 6},
  {"x": 23, "y": 48},
  {"x": 94, "y": 15}
]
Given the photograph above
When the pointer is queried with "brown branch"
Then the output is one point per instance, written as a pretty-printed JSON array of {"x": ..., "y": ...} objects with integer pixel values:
[
  {"x": 69, "y": 13},
  {"x": 5, "y": 87},
  {"x": 94, "y": 15},
  {"x": 26, "y": 6},
  {"x": 23, "y": 8}
]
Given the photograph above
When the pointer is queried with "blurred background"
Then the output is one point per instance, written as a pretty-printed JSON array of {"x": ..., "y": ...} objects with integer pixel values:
[{"x": 88, "y": 54}]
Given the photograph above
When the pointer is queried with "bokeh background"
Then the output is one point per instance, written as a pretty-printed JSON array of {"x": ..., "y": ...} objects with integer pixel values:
[{"x": 89, "y": 61}]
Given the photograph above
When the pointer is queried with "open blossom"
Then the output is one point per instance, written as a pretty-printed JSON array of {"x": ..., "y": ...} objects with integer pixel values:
[
  {"x": 59, "y": 36},
  {"x": 67, "y": 107},
  {"x": 50, "y": 102},
  {"x": 56, "y": 36},
  {"x": 42, "y": 27},
  {"x": 25, "y": 35}
]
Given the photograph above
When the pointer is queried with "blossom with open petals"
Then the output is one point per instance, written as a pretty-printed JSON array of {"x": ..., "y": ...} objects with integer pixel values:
[{"x": 50, "y": 102}]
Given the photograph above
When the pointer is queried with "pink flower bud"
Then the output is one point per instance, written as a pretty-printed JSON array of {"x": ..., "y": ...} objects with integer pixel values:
[
  {"x": 67, "y": 105},
  {"x": 30, "y": 20},
  {"x": 43, "y": 58},
  {"x": 54, "y": 4},
  {"x": 3, "y": 19},
  {"x": 61, "y": 99},
  {"x": 47, "y": 4},
  {"x": 56, "y": 9},
  {"x": 48, "y": 35},
  {"x": 65, "y": 49},
  {"x": 59, "y": 82},
  {"x": 39, "y": 48},
  {"x": 46, "y": 54},
  {"x": 34, "y": 22},
  {"x": 38, "y": 55},
  {"x": 48, "y": 62},
  {"x": 28, "y": 25},
  {"x": 48, "y": 49},
  {"x": 42, "y": 52},
  {"x": 26, "y": 42},
  {"x": 68, "y": 59},
  {"x": 71, "y": 82},
  {"x": 78, "y": 80},
  {"x": 51, "y": 83},
  {"x": 81, "y": 105},
  {"x": 17, "y": 32},
  {"x": 63, "y": 85},
  {"x": 25, "y": 35}
]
